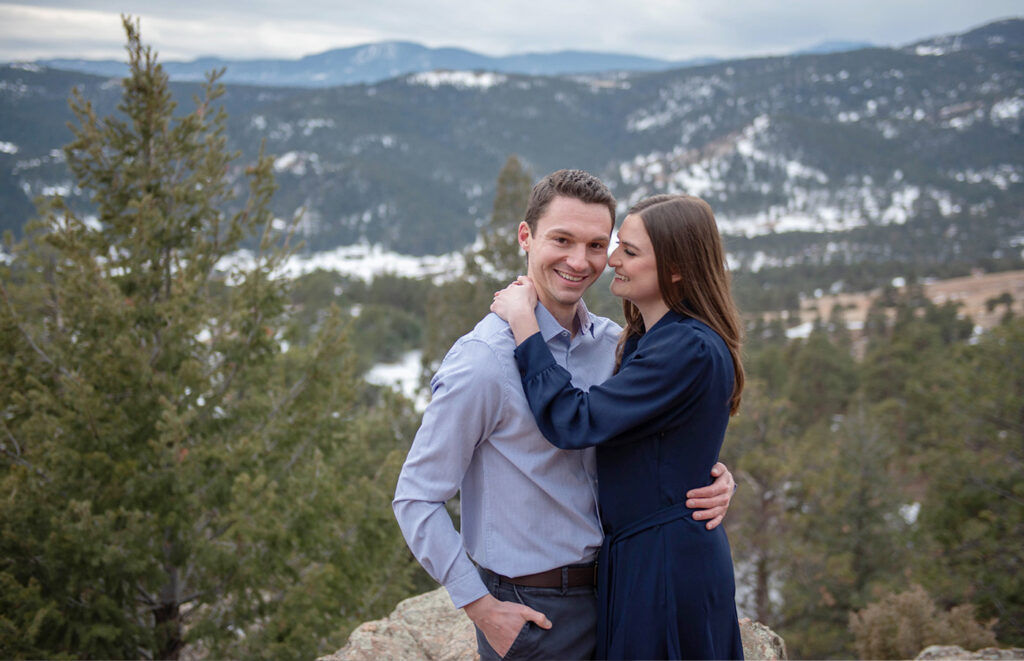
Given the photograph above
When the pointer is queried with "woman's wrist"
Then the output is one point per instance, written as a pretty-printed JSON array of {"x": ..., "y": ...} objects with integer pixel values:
[{"x": 523, "y": 325}]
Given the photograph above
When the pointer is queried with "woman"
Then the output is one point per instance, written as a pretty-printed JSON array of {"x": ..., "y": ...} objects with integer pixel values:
[{"x": 666, "y": 583}]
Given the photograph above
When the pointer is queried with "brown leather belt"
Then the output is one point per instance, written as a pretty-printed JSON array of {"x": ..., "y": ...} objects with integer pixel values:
[{"x": 574, "y": 576}]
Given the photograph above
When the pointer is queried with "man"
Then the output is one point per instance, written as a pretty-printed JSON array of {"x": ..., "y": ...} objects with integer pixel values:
[{"x": 529, "y": 510}]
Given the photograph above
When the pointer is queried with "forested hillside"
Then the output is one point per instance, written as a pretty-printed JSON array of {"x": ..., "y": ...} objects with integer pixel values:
[
  {"x": 895, "y": 151},
  {"x": 862, "y": 478}
]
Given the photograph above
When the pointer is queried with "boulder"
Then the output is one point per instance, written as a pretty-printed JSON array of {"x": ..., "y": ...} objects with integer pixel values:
[
  {"x": 760, "y": 642},
  {"x": 426, "y": 626},
  {"x": 429, "y": 627}
]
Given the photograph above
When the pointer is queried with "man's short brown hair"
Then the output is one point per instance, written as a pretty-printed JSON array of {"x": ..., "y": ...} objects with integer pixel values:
[{"x": 576, "y": 184}]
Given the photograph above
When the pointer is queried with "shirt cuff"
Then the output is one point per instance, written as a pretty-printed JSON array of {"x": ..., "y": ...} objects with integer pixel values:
[
  {"x": 466, "y": 589},
  {"x": 533, "y": 356}
]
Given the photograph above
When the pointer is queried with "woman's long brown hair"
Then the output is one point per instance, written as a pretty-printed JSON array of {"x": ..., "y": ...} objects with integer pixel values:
[{"x": 686, "y": 243}]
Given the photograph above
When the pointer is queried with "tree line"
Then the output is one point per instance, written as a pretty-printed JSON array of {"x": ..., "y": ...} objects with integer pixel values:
[{"x": 864, "y": 480}]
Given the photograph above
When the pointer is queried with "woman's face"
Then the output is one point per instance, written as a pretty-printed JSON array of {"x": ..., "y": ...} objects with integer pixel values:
[{"x": 636, "y": 272}]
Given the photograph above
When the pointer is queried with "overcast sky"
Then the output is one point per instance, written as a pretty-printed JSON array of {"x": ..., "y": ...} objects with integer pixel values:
[{"x": 667, "y": 29}]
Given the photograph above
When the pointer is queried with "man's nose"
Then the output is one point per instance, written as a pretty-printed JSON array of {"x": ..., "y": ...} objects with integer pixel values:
[{"x": 577, "y": 258}]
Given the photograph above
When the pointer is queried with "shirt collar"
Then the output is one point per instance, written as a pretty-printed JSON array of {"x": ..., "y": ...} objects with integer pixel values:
[{"x": 550, "y": 328}]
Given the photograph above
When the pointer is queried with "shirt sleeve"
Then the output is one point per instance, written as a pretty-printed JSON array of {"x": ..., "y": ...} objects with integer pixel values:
[
  {"x": 665, "y": 373},
  {"x": 466, "y": 403}
]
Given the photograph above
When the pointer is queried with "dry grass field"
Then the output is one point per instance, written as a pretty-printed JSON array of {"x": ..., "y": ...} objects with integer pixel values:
[{"x": 972, "y": 293}]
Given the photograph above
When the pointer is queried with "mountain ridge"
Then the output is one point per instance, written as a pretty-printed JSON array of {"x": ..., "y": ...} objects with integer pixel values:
[
  {"x": 854, "y": 156},
  {"x": 377, "y": 61}
]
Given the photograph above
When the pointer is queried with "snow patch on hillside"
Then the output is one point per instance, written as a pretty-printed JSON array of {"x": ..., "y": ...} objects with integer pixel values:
[
  {"x": 458, "y": 79},
  {"x": 362, "y": 261},
  {"x": 372, "y": 52},
  {"x": 1007, "y": 113},
  {"x": 297, "y": 163},
  {"x": 795, "y": 196},
  {"x": 312, "y": 124},
  {"x": 1002, "y": 176},
  {"x": 403, "y": 376},
  {"x": 676, "y": 101}
]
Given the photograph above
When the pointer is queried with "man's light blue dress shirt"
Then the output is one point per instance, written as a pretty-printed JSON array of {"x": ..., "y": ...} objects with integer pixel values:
[{"x": 526, "y": 506}]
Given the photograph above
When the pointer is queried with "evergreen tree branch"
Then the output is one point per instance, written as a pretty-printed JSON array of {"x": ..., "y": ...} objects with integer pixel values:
[
  {"x": 28, "y": 337},
  {"x": 144, "y": 597},
  {"x": 21, "y": 461},
  {"x": 986, "y": 485},
  {"x": 297, "y": 388}
]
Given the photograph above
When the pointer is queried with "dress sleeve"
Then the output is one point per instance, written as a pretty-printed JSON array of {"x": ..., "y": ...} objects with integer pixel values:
[{"x": 666, "y": 372}]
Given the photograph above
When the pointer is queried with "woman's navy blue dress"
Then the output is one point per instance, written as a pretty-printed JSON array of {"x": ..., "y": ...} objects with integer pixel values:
[{"x": 666, "y": 585}]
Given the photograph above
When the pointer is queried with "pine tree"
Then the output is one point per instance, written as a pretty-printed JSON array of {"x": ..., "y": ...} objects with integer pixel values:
[
  {"x": 822, "y": 377},
  {"x": 759, "y": 451},
  {"x": 848, "y": 537},
  {"x": 973, "y": 512},
  {"x": 499, "y": 255},
  {"x": 173, "y": 475}
]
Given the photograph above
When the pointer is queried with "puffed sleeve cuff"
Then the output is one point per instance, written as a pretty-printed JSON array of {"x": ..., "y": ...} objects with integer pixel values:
[
  {"x": 533, "y": 356},
  {"x": 466, "y": 589}
]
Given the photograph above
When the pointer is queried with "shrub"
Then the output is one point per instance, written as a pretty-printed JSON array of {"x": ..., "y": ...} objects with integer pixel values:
[{"x": 900, "y": 625}]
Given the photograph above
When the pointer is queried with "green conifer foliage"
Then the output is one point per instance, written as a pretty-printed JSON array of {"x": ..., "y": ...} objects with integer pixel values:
[
  {"x": 973, "y": 512},
  {"x": 759, "y": 450},
  {"x": 821, "y": 379},
  {"x": 500, "y": 255},
  {"x": 172, "y": 474},
  {"x": 849, "y": 539}
]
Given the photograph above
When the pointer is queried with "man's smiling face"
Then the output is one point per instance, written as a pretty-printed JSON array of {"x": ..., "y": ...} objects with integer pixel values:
[{"x": 567, "y": 252}]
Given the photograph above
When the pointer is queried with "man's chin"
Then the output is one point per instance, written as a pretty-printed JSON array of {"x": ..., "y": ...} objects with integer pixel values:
[
  {"x": 563, "y": 293},
  {"x": 569, "y": 296}
]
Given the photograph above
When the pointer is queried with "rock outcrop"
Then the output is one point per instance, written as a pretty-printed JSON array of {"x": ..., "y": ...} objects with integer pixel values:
[
  {"x": 429, "y": 627},
  {"x": 760, "y": 642},
  {"x": 423, "y": 627}
]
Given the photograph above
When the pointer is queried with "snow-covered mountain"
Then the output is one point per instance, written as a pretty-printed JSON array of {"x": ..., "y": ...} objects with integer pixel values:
[{"x": 881, "y": 153}]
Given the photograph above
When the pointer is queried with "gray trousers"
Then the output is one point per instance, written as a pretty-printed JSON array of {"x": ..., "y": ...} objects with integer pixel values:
[{"x": 573, "y": 615}]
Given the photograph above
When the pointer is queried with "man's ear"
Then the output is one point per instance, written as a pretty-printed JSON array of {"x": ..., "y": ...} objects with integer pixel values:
[{"x": 524, "y": 236}]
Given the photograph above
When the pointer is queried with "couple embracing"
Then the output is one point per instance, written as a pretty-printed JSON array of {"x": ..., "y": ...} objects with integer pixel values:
[{"x": 585, "y": 452}]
